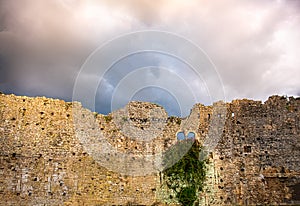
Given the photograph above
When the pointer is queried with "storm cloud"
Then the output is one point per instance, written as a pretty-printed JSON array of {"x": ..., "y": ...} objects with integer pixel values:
[{"x": 255, "y": 45}]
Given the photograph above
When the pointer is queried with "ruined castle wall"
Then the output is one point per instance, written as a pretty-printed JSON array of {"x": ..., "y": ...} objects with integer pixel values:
[
  {"x": 42, "y": 161},
  {"x": 257, "y": 159}
]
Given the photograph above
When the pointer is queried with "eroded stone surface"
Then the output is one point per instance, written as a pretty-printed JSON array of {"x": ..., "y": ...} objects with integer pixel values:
[{"x": 43, "y": 162}]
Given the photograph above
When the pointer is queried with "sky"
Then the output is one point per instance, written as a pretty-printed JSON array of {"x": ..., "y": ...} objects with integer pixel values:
[{"x": 253, "y": 45}]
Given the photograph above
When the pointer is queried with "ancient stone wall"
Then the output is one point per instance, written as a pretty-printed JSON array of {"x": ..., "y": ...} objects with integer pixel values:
[
  {"x": 257, "y": 159},
  {"x": 43, "y": 163},
  {"x": 48, "y": 152}
]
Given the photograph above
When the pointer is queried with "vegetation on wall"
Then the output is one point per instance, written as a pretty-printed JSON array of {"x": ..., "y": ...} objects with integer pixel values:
[
  {"x": 185, "y": 178},
  {"x": 108, "y": 118},
  {"x": 176, "y": 120}
]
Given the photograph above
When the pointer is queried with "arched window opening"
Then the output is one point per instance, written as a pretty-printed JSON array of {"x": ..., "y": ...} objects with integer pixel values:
[
  {"x": 180, "y": 136},
  {"x": 191, "y": 135}
]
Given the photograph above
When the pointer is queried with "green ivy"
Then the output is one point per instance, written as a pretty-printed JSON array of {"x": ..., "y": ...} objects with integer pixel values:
[{"x": 185, "y": 178}]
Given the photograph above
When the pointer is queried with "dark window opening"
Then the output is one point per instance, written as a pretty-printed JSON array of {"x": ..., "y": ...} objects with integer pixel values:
[
  {"x": 247, "y": 149},
  {"x": 296, "y": 192}
]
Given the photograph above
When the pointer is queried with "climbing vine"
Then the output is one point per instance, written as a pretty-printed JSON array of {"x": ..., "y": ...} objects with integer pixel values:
[{"x": 185, "y": 178}]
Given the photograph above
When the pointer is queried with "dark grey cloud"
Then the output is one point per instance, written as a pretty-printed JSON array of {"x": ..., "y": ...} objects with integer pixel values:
[{"x": 254, "y": 44}]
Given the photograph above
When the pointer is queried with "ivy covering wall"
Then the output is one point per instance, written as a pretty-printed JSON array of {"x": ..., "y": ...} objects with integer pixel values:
[{"x": 185, "y": 178}]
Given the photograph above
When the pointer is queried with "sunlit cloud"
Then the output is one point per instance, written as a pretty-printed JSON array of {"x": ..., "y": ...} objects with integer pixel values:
[{"x": 254, "y": 44}]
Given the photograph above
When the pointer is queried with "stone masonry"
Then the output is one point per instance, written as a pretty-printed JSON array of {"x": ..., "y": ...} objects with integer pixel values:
[{"x": 51, "y": 152}]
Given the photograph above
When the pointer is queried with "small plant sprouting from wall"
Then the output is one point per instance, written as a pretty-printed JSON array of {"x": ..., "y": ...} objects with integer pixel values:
[
  {"x": 108, "y": 118},
  {"x": 185, "y": 178},
  {"x": 95, "y": 114},
  {"x": 176, "y": 120}
]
